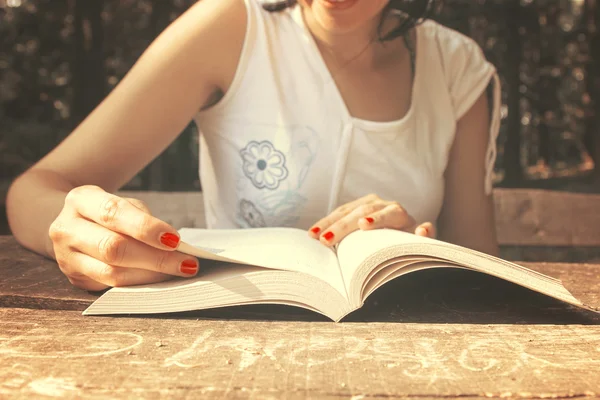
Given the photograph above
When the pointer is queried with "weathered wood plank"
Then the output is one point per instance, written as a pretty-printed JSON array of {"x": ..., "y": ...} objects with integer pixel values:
[
  {"x": 555, "y": 254},
  {"x": 524, "y": 217},
  {"x": 547, "y": 218},
  {"x": 31, "y": 281},
  {"x": 62, "y": 354}
]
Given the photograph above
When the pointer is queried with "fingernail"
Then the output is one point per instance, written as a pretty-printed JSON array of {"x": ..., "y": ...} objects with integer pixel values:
[
  {"x": 328, "y": 236},
  {"x": 316, "y": 230},
  {"x": 189, "y": 267},
  {"x": 369, "y": 220},
  {"x": 170, "y": 240}
]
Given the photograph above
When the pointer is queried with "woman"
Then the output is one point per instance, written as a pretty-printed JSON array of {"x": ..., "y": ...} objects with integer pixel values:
[{"x": 330, "y": 115}]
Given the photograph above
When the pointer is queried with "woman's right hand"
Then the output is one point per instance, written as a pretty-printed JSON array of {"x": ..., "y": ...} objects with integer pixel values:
[{"x": 102, "y": 240}]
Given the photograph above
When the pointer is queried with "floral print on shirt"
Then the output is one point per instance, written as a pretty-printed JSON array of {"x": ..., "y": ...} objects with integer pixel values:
[
  {"x": 264, "y": 165},
  {"x": 251, "y": 215}
]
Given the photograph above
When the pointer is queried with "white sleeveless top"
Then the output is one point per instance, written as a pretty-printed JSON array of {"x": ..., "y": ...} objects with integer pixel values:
[{"x": 281, "y": 148}]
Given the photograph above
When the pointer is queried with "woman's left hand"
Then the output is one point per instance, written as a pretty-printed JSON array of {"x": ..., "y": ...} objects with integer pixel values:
[{"x": 366, "y": 213}]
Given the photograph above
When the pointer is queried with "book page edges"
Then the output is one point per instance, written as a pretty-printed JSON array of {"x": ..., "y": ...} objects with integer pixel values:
[
  {"x": 469, "y": 259},
  {"x": 252, "y": 285}
]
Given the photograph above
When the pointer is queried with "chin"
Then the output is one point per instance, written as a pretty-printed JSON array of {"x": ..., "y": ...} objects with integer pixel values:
[{"x": 343, "y": 16}]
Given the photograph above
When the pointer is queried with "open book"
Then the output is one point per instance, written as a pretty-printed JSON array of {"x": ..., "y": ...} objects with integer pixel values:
[{"x": 286, "y": 266}]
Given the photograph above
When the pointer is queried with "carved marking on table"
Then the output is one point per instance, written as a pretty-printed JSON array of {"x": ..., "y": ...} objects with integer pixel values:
[
  {"x": 15, "y": 378},
  {"x": 38, "y": 343},
  {"x": 185, "y": 358},
  {"x": 429, "y": 360},
  {"x": 6, "y": 341},
  {"x": 20, "y": 379},
  {"x": 315, "y": 352},
  {"x": 54, "y": 387},
  {"x": 247, "y": 349},
  {"x": 417, "y": 360},
  {"x": 428, "y": 363},
  {"x": 471, "y": 358}
]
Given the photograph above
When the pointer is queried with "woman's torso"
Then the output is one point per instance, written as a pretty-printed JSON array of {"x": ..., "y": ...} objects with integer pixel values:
[{"x": 282, "y": 149}]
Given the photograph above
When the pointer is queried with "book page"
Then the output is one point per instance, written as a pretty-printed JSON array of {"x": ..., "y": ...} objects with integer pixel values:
[
  {"x": 217, "y": 287},
  {"x": 363, "y": 251},
  {"x": 275, "y": 248},
  {"x": 360, "y": 245}
]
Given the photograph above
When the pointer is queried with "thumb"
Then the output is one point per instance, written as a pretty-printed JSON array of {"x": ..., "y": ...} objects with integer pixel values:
[{"x": 427, "y": 229}]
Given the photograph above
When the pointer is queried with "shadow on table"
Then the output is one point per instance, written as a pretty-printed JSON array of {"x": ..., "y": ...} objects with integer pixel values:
[{"x": 432, "y": 296}]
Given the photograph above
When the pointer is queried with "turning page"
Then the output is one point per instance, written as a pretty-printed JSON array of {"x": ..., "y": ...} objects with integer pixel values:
[
  {"x": 258, "y": 266},
  {"x": 285, "y": 249}
]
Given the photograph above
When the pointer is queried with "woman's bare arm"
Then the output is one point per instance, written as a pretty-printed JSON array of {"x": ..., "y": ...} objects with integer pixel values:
[
  {"x": 189, "y": 62},
  {"x": 467, "y": 217}
]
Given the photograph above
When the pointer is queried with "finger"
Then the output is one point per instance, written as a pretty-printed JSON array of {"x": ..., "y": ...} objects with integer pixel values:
[
  {"x": 119, "y": 215},
  {"x": 64, "y": 259},
  {"x": 88, "y": 284},
  {"x": 139, "y": 204},
  {"x": 348, "y": 223},
  {"x": 392, "y": 216},
  {"x": 100, "y": 274},
  {"x": 427, "y": 229},
  {"x": 324, "y": 223},
  {"x": 119, "y": 250}
]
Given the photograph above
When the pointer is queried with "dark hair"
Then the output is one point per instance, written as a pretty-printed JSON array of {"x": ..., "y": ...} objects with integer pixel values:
[{"x": 411, "y": 13}]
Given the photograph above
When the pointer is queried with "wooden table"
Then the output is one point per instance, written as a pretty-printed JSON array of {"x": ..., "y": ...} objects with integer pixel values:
[{"x": 435, "y": 334}]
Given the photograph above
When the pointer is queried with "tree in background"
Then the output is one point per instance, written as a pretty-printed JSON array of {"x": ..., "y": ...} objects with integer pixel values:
[{"x": 35, "y": 90}]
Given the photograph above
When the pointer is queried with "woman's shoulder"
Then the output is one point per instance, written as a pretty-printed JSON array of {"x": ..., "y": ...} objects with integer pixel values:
[
  {"x": 444, "y": 36},
  {"x": 210, "y": 35},
  {"x": 458, "y": 60},
  {"x": 455, "y": 50},
  {"x": 208, "y": 26}
]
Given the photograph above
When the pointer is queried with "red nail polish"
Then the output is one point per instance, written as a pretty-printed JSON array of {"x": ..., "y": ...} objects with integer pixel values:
[
  {"x": 316, "y": 230},
  {"x": 328, "y": 236},
  {"x": 189, "y": 267},
  {"x": 170, "y": 240},
  {"x": 369, "y": 220}
]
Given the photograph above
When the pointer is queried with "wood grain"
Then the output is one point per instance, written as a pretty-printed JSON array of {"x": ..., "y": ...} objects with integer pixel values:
[
  {"x": 547, "y": 218},
  {"x": 32, "y": 281},
  {"x": 432, "y": 334},
  {"x": 62, "y": 354}
]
